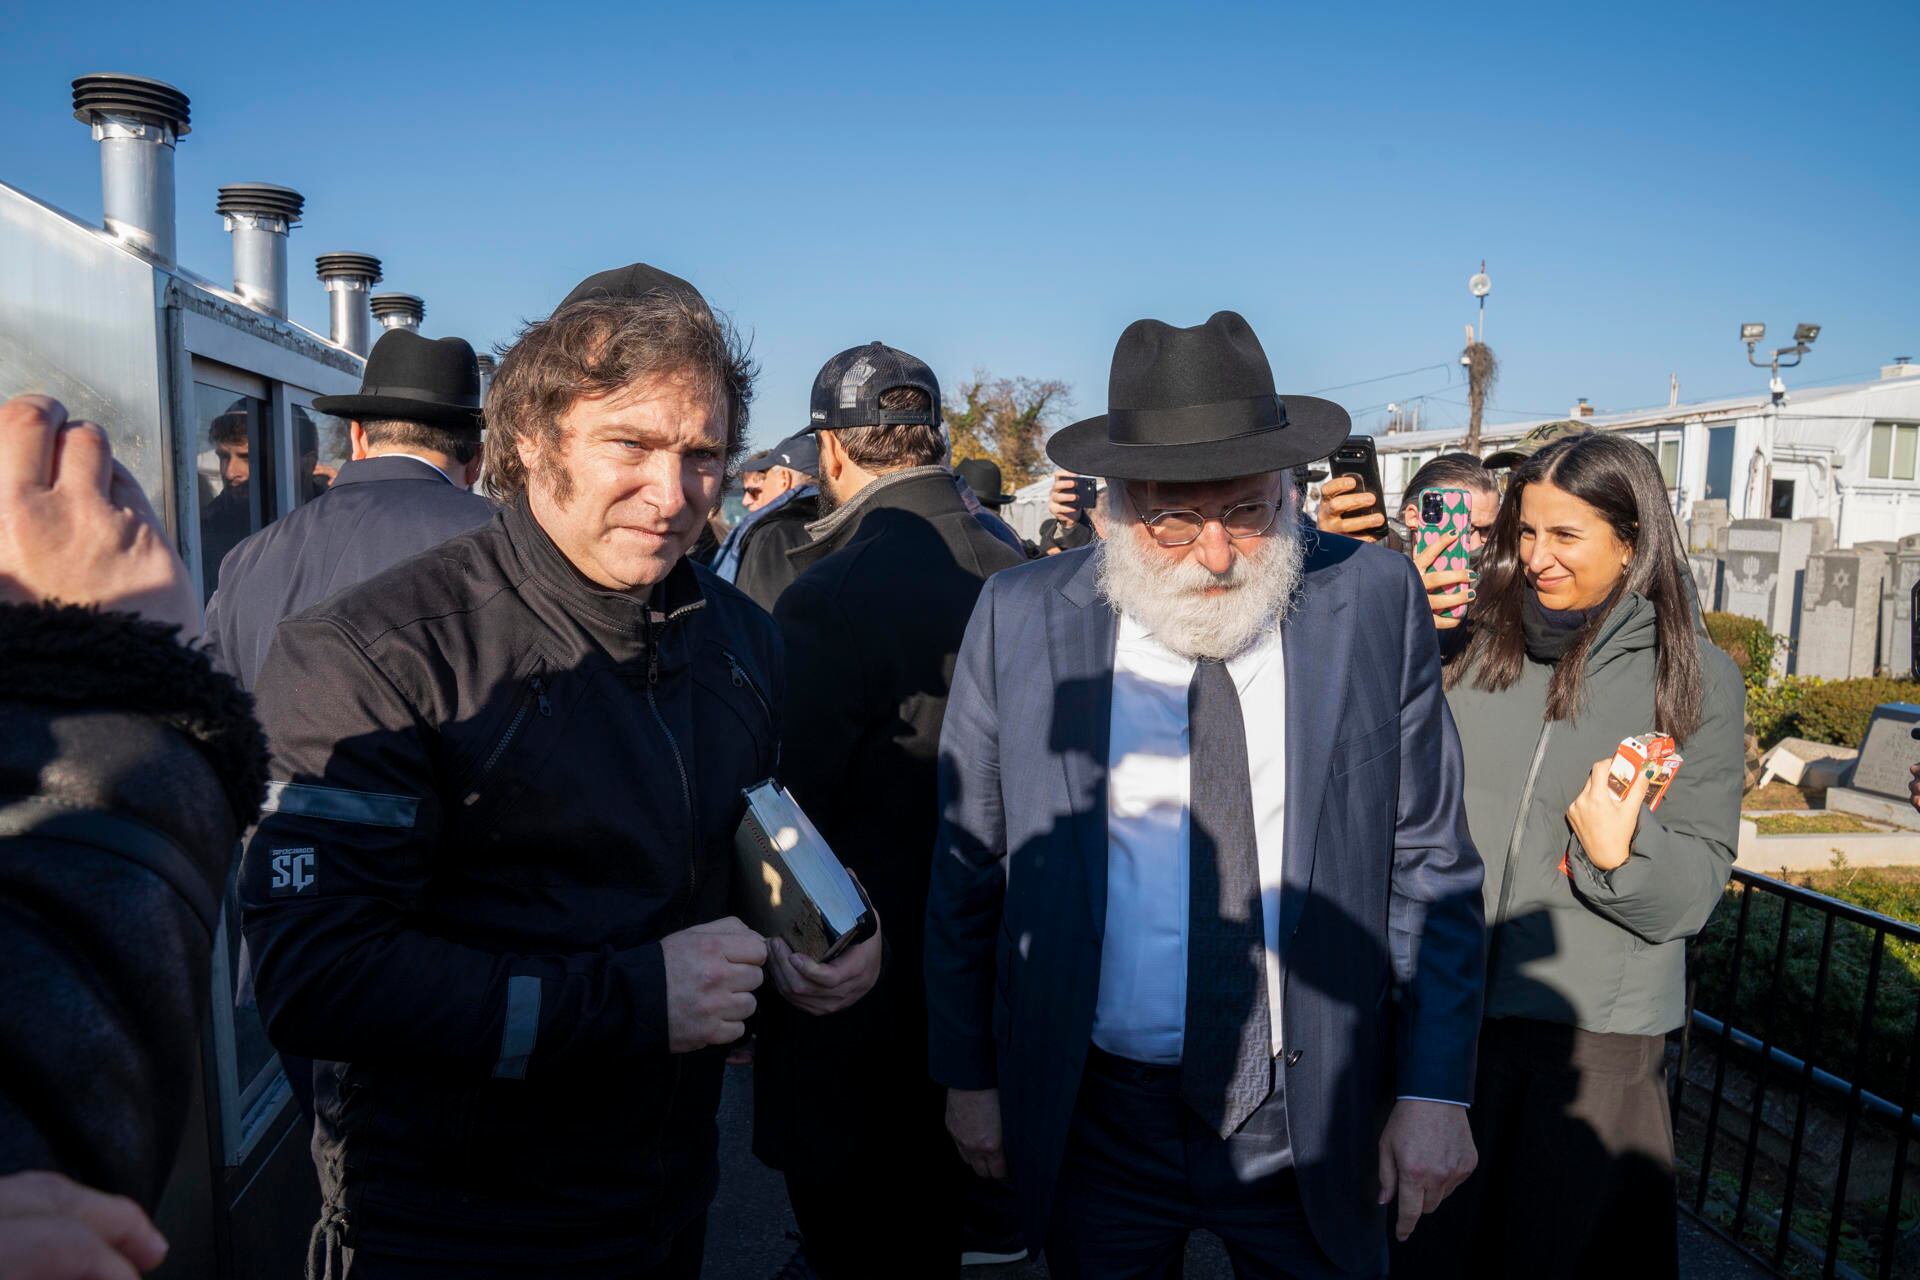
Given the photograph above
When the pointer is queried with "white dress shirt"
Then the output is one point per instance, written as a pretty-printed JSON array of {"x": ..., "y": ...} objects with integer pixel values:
[{"x": 1141, "y": 1010}]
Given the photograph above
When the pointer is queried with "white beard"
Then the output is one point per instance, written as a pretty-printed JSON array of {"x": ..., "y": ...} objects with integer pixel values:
[{"x": 1168, "y": 597}]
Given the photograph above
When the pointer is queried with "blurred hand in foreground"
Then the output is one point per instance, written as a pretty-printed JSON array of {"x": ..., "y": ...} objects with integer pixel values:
[
  {"x": 75, "y": 527},
  {"x": 52, "y": 1228}
]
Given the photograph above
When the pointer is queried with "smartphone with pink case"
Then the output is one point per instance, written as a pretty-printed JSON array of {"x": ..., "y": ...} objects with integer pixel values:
[{"x": 1446, "y": 513}]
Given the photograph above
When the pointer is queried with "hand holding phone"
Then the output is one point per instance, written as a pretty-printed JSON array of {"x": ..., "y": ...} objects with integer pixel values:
[
  {"x": 1352, "y": 500},
  {"x": 1439, "y": 552}
]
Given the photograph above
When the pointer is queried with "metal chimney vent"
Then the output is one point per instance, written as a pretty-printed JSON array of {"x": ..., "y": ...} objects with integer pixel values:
[
  {"x": 136, "y": 121},
  {"x": 399, "y": 310},
  {"x": 259, "y": 215},
  {"x": 349, "y": 279}
]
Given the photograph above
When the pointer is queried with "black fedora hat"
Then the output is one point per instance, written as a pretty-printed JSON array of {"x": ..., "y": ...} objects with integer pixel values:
[
  {"x": 983, "y": 477},
  {"x": 1197, "y": 404},
  {"x": 435, "y": 381}
]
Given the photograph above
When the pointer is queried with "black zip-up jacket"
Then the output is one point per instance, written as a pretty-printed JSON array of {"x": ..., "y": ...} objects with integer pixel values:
[{"x": 497, "y": 787}]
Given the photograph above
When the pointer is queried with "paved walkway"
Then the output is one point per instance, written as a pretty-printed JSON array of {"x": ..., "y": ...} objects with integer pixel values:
[{"x": 748, "y": 1233}]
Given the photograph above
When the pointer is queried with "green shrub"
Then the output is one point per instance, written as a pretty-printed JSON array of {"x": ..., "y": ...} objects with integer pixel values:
[
  {"x": 1747, "y": 642},
  {"x": 1837, "y": 711},
  {"x": 1773, "y": 710}
]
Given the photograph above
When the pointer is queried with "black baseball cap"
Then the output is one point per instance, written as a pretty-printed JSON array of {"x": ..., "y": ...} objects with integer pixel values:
[
  {"x": 800, "y": 452},
  {"x": 847, "y": 391}
]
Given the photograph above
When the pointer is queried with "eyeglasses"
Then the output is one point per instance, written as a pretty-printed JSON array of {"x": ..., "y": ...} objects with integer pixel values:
[{"x": 1179, "y": 528}]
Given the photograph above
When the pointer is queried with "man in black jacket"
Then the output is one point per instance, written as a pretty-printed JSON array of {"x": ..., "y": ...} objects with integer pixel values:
[
  {"x": 843, "y": 1105},
  {"x": 490, "y": 893},
  {"x": 764, "y": 568},
  {"x": 415, "y": 428}
]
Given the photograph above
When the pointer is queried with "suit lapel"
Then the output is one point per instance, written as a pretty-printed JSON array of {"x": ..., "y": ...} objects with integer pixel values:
[
  {"x": 1316, "y": 636},
  {"x": 1081, "y": 631}
]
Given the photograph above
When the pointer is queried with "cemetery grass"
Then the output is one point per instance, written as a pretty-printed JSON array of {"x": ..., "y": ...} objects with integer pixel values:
[
  {"x": 1816, "y": 823},
  {"x": 1776, "y": 795}
]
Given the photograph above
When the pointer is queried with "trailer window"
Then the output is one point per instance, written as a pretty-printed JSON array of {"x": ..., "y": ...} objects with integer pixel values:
[
  {"x": 234, "y": 474},
  {"x": 323, "y": 447}
]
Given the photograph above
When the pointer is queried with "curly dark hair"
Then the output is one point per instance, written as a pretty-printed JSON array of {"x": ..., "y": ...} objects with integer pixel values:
[{"x": 595, "y": 347}]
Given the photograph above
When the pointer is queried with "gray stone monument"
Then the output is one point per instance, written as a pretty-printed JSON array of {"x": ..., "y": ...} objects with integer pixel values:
[
  {"x": 1706, "y": 579},
  {"x": 1840, "y": 614},
  {"x": 1896, "y": 640},
  {"x": 1708, "y": 518},
  {"x": 1883, "y": 660},
  {"x": 1822, "y": 533},
  {"x": 1762, "y": 565},
  {"x": 1877, "y": 786}
]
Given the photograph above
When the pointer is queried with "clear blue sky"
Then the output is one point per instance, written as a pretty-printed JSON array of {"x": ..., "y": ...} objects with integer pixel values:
[{"x": 1007, "y": 186}]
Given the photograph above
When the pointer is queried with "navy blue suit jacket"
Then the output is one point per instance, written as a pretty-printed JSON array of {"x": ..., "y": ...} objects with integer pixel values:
[
  {"x": 1380, "y": 916},
  {"x": 378, "y": 512}
]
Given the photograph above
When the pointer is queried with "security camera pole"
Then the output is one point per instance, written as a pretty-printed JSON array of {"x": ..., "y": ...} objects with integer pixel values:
[{"x": 1803, "y": 339}]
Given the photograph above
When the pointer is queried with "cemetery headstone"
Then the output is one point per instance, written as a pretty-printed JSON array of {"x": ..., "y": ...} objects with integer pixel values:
[
  {"x": 1877, "y": 787},
  {"x": 1705, "y": 568},
  {"x": 1762, "y": 562},
  {"x": 1822, "y": 533},
  {"x": 1840, "y": 614},
  {"x": 1703, "y": 527},
  {"x": 1896, "y": 642},
  {"x": 1886, "y": 551}
]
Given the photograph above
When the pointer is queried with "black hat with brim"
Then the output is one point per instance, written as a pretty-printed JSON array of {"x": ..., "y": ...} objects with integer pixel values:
[
  {"x": 1197, "y": 404},
  {"x": 434, "y": 381}
]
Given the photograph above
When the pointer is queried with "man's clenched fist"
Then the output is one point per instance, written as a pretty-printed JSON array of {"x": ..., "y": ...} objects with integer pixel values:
[{"x": 712, "y": 973}]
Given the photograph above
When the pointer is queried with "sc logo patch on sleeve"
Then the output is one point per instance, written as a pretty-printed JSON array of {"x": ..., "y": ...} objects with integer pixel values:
[{"x": 292, "y": 872}]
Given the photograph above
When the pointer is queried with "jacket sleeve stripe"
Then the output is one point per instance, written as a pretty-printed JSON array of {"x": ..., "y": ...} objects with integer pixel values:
[
  {"x": 337, "y": 804},
  {"x": 522, "y": 1027}
]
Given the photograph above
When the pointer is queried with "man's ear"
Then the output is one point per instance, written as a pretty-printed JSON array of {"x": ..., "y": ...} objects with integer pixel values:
[
  {"x": 832, "y": 460},
  {"x": 473, "y": 467},
  {"x": 358, "y": 435}
]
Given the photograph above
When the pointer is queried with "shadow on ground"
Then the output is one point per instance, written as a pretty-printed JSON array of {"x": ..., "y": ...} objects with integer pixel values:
[{"x": 750, "y": 1232}]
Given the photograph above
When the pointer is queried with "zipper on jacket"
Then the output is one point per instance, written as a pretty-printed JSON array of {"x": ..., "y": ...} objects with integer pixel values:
[
  {"x": 742, "y": 680},
  {"x": 679, "y": 762},
  {"x": 1519, "y": 824},
  {"x": 539, "y": 689}
]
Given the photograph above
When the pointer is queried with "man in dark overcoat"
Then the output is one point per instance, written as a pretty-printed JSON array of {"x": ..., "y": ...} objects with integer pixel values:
[
  {"x": 887, "y": 580},
  {"x": 415, "y": 428}
]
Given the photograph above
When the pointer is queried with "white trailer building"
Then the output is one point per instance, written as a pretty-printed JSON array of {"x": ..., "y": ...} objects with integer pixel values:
[{"x": 1850, "y": 454}]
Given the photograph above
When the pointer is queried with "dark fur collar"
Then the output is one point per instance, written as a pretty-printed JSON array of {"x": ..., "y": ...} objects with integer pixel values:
[{"x": 73, "y": 656}]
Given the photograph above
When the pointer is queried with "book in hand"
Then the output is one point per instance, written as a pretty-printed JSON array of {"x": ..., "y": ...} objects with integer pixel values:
[{"x": 789, "y": 884}]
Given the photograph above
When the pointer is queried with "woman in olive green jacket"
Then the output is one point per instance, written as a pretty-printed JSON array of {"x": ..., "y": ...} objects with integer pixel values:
[{"x": 1584, "y": 632}]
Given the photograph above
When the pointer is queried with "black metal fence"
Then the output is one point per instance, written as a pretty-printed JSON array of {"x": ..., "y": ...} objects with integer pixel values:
[{"x": 1794, "y": 1089}]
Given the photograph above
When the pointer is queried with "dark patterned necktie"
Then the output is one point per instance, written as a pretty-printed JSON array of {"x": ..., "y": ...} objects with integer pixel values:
[{"x": 1226, "y": 1066}]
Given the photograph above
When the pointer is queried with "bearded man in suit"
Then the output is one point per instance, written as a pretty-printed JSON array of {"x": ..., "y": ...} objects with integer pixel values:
[{"x": 1204, "y": 940}]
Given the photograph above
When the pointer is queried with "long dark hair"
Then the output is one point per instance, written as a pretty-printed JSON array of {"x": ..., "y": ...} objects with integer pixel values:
[{"x": 1618, "y": 478}]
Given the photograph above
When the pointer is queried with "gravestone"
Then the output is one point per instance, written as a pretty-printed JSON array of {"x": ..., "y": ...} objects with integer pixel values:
[
  {"x": 1709, "y": 517},
  {"x": 1706, "y": 579},
  {"x": 1886, "y": 551},
  {"x": 1840, "y": 614},
  {"x": 1896, "y": 642},
  {"x": 1877, "y": 786},
  {"x": 1762, "y": 562},
  {"x": 1822, "y": 533}
]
